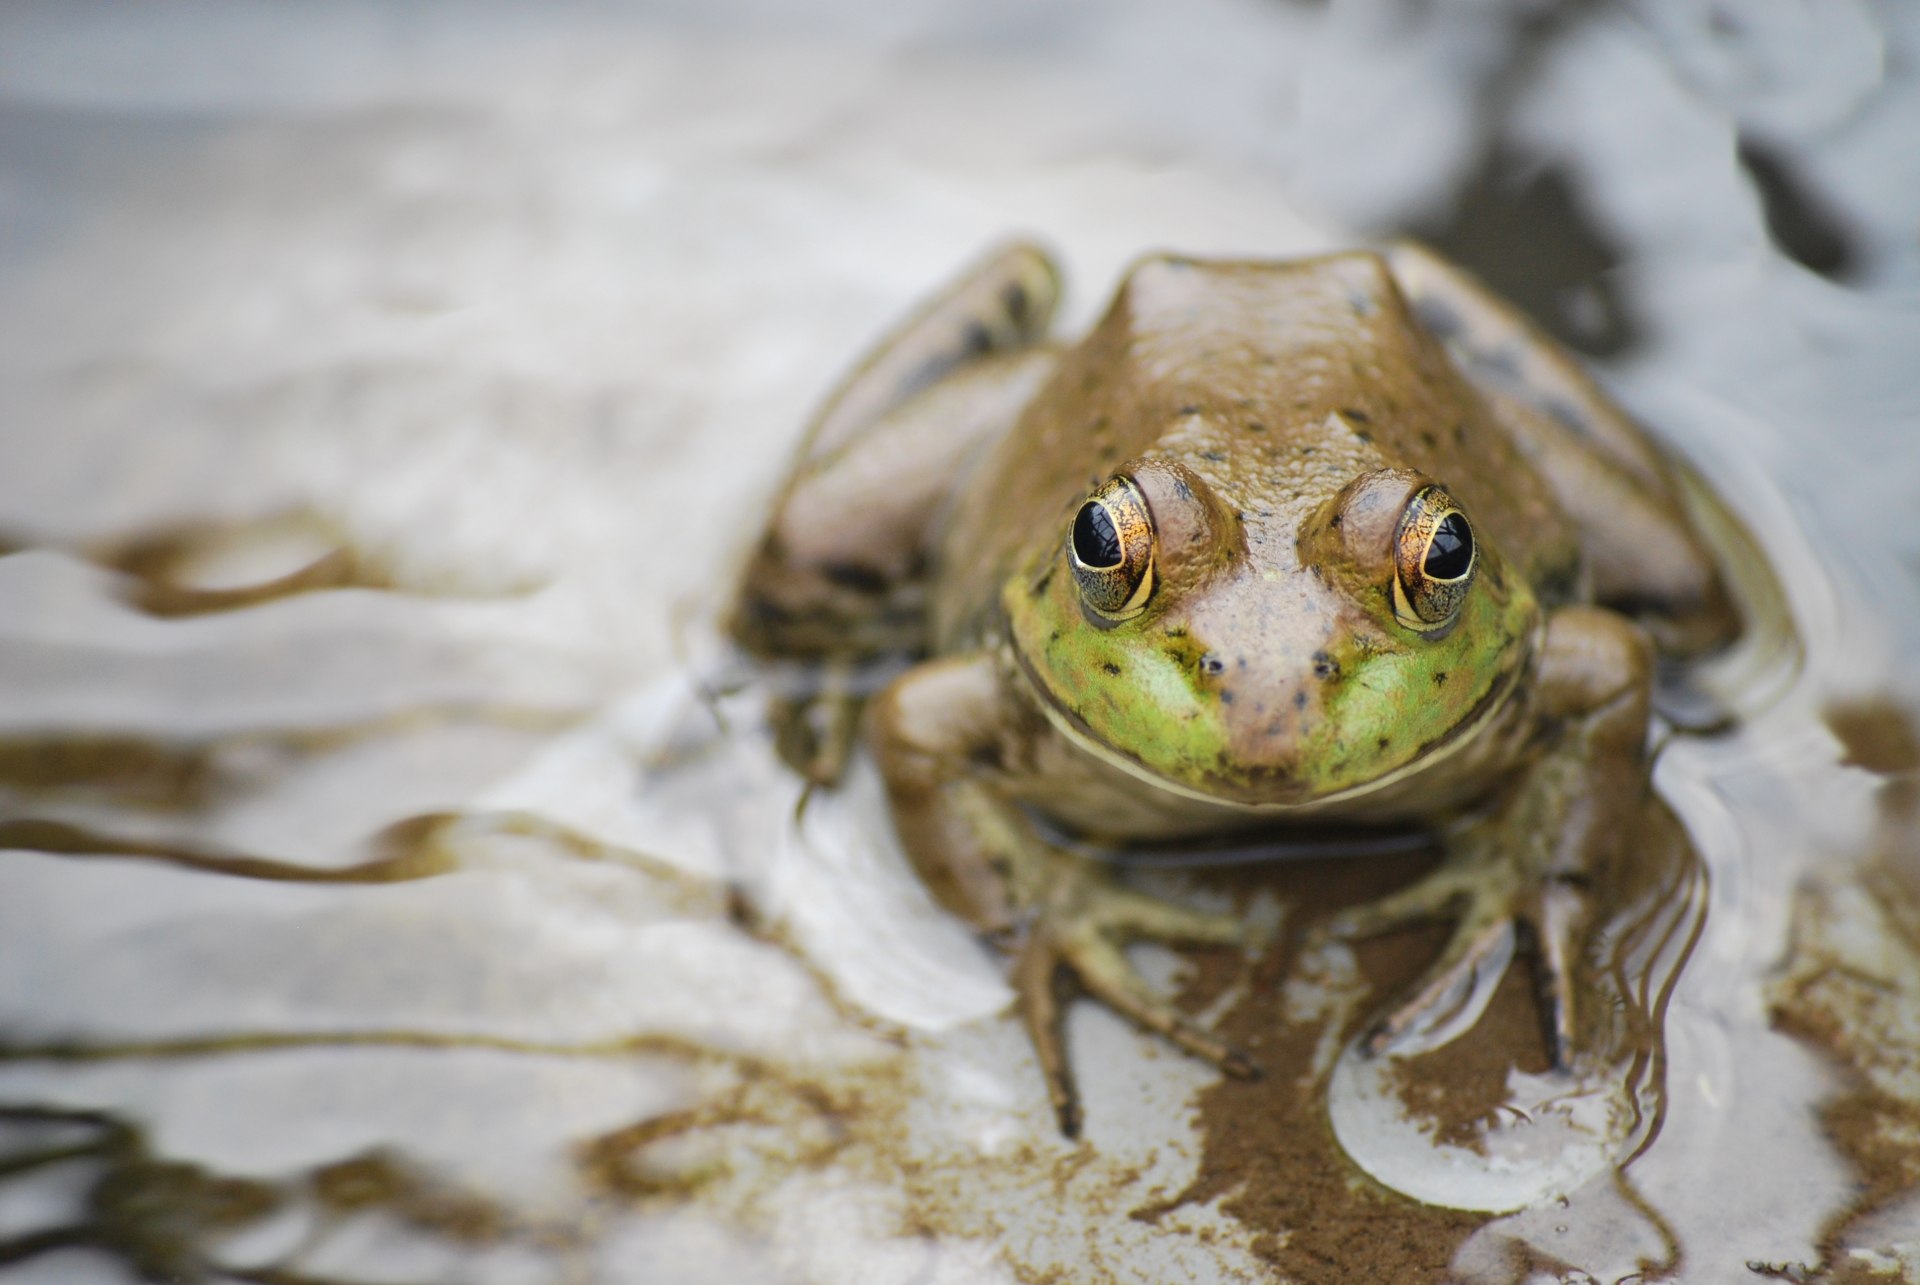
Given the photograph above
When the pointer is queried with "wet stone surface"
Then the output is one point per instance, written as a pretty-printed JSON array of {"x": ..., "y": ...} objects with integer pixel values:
[{"x": 398, "y": 883}]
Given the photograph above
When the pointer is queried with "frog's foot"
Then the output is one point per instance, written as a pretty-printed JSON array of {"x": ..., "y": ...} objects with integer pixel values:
[
  {"x": 1495, "y": 908},
  {"x": 1082, "y": 925},
  {"x": 814, "y": 731}
]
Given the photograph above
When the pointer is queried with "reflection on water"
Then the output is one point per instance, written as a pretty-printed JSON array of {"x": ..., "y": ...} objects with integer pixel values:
[{"x": 396, "y": 883}]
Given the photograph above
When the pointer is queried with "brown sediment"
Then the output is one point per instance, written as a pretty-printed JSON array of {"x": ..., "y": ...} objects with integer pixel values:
[
  {"x": 1850, "y": 987},
  {"x": 1268, "y": 1148},
  {"x": 813, "y": 1123},
  {"x": 1877, "y": 733},
  {"x": 136, "y": 770},
  {"x": 268, "y": 1041},
  {"x": 156, "y": 1216},
  {"x": 382, "y": 1179},
  {"x": 409, "y": 849},
  {"x": 1459, "y": 1088},
  {"x": 156, "y": 560}
]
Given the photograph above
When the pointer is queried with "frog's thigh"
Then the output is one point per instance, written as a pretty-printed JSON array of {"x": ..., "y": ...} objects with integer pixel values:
[
  {"x": 1620, "y": 490},
  {"x": 1596, "y": 666},
  {"x": 863, "y": 515},
  {"x": 926, "y": 729},
  {"x": 1537, "y": 858},
  {"x": 1001, "y": 305}
]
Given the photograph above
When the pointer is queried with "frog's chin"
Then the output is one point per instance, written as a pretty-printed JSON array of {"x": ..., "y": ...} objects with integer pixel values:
[{"x": 1071, "y": 726}]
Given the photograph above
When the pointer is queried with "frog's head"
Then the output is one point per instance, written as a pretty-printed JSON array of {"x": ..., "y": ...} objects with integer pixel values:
[{"x": 1291, "y": 585}]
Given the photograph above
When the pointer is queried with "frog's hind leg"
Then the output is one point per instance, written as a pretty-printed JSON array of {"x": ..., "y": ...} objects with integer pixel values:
[
  {"x": 1642, "y": 553},
  {"x": 943, "y": 733},
  {"x": 1082, "y": 927},
  {"x": 1522, "y": 875},
  {"x": 1494, "y": 914},
  {"x": 837, "y": 577}
]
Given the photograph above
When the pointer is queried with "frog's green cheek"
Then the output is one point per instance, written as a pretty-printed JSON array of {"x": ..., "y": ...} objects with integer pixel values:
[
  {"x": 1289, "y": 721},
  {"x": 1396, "y": 708},
  {"x": 1134, "y": 688}
]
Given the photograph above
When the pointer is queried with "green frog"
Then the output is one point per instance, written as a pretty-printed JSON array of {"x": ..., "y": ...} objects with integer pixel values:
[{"x": 1278, "y": 548}]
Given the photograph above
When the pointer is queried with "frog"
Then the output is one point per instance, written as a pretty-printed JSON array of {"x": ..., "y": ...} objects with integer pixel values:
[{"x": 1278, "y": 547}]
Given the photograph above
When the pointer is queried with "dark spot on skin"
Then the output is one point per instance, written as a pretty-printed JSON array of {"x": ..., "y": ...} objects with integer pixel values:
[
  {"x": 1459, "y": 432},
  {"x": 1014, "y": 300},
  {"x": 1299, "y": 700},
  {"x": 1428, "y": 439},
  {"x": 1358, "y": 415},
  {"x": 1256, "y": 428},
  {"x": 848, "y": 575},
  {"x": 1181, "y": 489},
  {"x": 1440, "y": 679},
  {"x": 1325, "y": 666},
  {"x": 1226, "y": 698},
  {"x": 1189, "y": 410},
  {"x": 1054, "y": 636},
  {"x": 1212, "y": 664},
  {"x": 975, "y": 340},
  {"x": 1215, "y": 456},
  {"x": 987, "y": 756},
  {"x": 1336, "y": 520},
  {"x": 1384, "y": 742},
  {"x": 1111, "y": 668}
]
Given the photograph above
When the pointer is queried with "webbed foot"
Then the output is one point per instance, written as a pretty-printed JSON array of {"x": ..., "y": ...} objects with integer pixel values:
[
  {"x": 1083, "y": 922},
  {"x": 1496, "y": 905}
]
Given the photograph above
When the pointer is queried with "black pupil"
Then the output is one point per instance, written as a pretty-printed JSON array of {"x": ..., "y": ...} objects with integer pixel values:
[
  {"x": 1450, "y": 552},
  {"x": 1095, "y": 542}
]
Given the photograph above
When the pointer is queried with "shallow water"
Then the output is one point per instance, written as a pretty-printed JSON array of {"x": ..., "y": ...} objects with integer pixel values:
[{"x": 398, "y": 884}]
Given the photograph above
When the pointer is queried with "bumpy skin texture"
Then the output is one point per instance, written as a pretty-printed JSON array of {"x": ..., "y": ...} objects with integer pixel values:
[{"x": 1279, "y": 422}]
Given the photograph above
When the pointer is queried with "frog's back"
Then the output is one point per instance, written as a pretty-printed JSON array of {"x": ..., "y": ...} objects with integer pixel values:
[{"x": 1276, "y": 383}]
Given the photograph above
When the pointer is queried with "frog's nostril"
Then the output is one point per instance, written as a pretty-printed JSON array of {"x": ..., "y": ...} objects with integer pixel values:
[{"x": 1095, "y": 542}]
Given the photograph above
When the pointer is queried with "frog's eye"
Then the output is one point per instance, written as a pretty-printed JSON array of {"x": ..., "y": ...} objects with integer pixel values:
[
  {"x": 1434, "y": 560},
  {"x": 1111, "y": 548}
]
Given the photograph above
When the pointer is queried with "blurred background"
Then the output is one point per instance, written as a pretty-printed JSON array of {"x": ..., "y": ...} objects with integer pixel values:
[{"x": 387, "y": 393}]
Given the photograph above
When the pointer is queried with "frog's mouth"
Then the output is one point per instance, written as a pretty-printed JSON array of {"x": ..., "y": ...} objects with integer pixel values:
[{"x": 1462, "y": 734}]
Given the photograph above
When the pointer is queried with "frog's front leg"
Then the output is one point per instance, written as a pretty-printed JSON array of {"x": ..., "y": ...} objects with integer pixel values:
[
  {"x": 1526, "y": 873},
  {"x": 943, "y": 733}
]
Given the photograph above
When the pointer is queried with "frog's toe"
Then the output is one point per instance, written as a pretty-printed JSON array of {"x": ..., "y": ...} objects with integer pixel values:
[
  {"x": 1559, "y": 929},
  {"x": 1109, "y": 978},
  {"x": 1549, "y": 919},
  {"x": 1132, "y": 915},
  {"x": 1455, "y": 991},
  {"x": 1435, "y": 897},
  {"x": 1085, "y": 936},
  {"x": 1040, "y": 1008}
]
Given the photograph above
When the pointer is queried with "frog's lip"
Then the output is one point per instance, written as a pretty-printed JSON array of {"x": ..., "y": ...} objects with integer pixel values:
[{"x": 1464, "y": 733}]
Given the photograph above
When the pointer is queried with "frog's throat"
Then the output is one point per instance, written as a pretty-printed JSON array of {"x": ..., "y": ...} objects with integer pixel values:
[{"x": 1462, "y": 735}]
